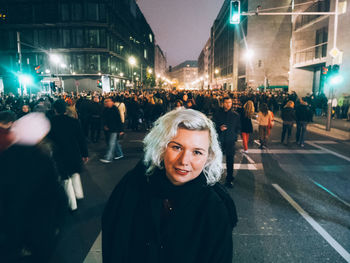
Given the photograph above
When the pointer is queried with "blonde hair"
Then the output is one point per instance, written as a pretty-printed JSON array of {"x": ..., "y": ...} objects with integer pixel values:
[
  {"x": 249, "y": 109},
  {"x": 166, "y": 127}
]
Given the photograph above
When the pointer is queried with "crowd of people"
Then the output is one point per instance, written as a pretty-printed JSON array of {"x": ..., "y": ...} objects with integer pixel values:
[{"x": 76, "y": 120}]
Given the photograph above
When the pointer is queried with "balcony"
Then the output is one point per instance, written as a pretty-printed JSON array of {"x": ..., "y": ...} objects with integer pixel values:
[
  {"x": 310, "y": 56},
  {"x": 320, "y": 6}
]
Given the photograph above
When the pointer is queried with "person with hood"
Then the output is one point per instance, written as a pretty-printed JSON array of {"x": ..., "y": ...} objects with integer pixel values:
[
  {"x": 170, "y": 207},
  {"x": 32, "y": 202},
  {"x": 288, "y": 118}
]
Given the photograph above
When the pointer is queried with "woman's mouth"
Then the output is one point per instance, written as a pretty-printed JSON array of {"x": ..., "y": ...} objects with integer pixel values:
[{"x": 181, "y": 171}]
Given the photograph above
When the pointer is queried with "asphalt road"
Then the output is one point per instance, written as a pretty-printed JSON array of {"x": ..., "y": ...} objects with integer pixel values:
[{"x": 293, "y": 203}]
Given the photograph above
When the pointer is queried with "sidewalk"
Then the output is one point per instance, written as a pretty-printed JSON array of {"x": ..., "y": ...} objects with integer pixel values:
[{"x": 340, "y": 129}]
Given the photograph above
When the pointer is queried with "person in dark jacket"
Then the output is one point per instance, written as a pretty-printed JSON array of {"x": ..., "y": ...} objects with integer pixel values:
[
  {"x": 113, "y": 127},
  {"x": 228, "y": 126},
  {"x": 303, "y": 117},
  {"x": 32, "y": 202},
  {"x": 96, "y": 119},
  {"x": 69, "y": 145},
  {"x": 170, "y": 207},
  {"x": 288, "y": 118}
]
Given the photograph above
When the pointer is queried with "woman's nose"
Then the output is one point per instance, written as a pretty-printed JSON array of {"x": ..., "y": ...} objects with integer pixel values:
[{"x": 185, "y": 158}]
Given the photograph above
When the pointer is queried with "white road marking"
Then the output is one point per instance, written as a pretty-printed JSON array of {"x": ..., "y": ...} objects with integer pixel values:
[
  {"x": 245, "y": 166},
  {"x": 286, "y": 151},
  {"x": 95, "y": 253},
  {"x": 328, "y": 151},
  {"x": 314, "y": 224},
  {"x": 325, "y": 142}
]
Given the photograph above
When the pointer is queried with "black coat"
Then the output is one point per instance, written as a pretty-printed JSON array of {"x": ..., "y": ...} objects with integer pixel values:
[
  {"x": 246, "y": 123},
  {"x": 288, "y": 114},
  {"x": 137, "y": 227},
  {"x": 303, "y": 113},
  {"x": 111, "y": 119},
  {"x": 232, "y": 120},
  {"x": 32, "y": 204},
  {"x": 69, "y": 145}
]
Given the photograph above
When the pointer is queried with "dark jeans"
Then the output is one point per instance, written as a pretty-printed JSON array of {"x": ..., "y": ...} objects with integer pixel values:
[
  {"x": 287, "y": 128},
  {"x": 229, "y": 151},
  {"x": 301, "y": 132},
  {"x": 263, "y": 135},
  {"x": 95, "y": 129}
]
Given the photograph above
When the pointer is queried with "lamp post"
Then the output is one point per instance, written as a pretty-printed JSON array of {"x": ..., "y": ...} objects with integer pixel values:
[{"x": 132, "y": 62}]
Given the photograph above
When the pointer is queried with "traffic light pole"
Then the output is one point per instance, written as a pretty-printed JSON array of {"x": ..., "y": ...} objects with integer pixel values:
[{"x": 19, "y": 59}]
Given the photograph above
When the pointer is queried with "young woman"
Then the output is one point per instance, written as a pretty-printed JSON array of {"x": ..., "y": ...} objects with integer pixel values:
[
  {"x": 246, "y": 123},
  {"x": 265, "y": 120},
  {"x": 170, "y": 208}
]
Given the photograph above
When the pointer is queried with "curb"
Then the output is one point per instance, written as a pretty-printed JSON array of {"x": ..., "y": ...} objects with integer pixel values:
[{"x": 320, "y": 129}]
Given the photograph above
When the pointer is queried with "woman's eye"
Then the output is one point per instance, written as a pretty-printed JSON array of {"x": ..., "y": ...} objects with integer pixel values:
[
  {"x": 175, "y": 147},
  {"x": 198, "y": 153}
]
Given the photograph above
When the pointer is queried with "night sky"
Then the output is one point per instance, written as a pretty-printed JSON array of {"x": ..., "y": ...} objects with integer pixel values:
[{"x": 181, "y": 27}]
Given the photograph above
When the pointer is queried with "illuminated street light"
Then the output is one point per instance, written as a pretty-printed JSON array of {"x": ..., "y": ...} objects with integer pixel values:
[
  {"x": 63, "y": 65},
  {"x": 158, "y": 76},
  {"x": 249, "y": 54},
  {"x": 216, "y": 71},
  {"x": 150, "y": 71},
  {"x": 132, "y": 62},
  {"x": 47, "y": 71},
  {"x": 121, "y": 74},
  {"x": 25, "y": 79},
  {"x": 55, "y": 58}
]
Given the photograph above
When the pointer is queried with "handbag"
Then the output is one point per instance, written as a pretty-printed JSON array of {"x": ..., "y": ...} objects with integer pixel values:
[
  {"x": 68, "y": 188},
  {"x": 77, "y": 186}
]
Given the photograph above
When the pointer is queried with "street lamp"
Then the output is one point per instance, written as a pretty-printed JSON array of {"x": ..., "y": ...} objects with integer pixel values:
[
  {"x": 132, "y": 62},
  {"x": 150, "y": 71}
]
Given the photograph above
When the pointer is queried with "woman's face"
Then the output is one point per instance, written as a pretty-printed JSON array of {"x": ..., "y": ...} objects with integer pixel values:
[{"x": 185, "y": 155}]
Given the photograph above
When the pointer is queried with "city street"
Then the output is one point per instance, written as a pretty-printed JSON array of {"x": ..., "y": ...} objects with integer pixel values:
[{"x": 293, "y": 203}]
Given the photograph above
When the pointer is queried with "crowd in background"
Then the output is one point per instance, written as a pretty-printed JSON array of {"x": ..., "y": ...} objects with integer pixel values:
[{"x": 80, "y": 118}]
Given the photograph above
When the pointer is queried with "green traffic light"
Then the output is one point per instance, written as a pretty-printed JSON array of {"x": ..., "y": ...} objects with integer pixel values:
[
  {"x": 25, "y": 79},
  {"x": 336, "y": 79},
  {"x": 235, "y": 12}
]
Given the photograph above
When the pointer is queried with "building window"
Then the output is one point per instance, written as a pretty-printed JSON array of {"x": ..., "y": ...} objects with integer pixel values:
[
  {"x": 79, "y": 63},
  {"x": 66, "y": 38},
  {"x": 92, "y": 62},
  {"x": 150, "y": 38},
  {"x": 92, "y": 11},
  {"x": 321, "y": 37},
  {"x": 77, "y": 35},
  {"x": 77, "y": 12},
  {"x": 93, "y": 38},
  {"x": 64, "y": 12},
  {"x": 145, "y": 53}
]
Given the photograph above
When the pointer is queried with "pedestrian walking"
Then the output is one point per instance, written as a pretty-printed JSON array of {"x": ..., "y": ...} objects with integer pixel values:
[
  {"x": 303, "y": 117},
  {"x": 288, "y": 118},
  {"x": 96, "y": 119},
  {"x": 113, "y": 127},
  {"x": 70, "y": 151},
  {"x": 228, "y": 126},
  {"x": 265, "y": 121},
  {"x": 32, "y": 202},
  {"x": 170, "y": 207},
  {"x": 246, "y": 115}
]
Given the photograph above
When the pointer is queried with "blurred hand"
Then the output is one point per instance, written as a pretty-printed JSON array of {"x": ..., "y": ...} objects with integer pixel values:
[{"x": 223, "y": 127}]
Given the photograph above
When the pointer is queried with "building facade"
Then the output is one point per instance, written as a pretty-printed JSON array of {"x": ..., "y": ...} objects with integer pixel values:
[
  {"x": 281, "y": 51},
  {"x": 313, "y": 40},
  {"x": 184, "y": 75},
  {"x": 90, "y": 41},
  {"x": 204, "y": 65},
  {"x": 160, "y": 63}
]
